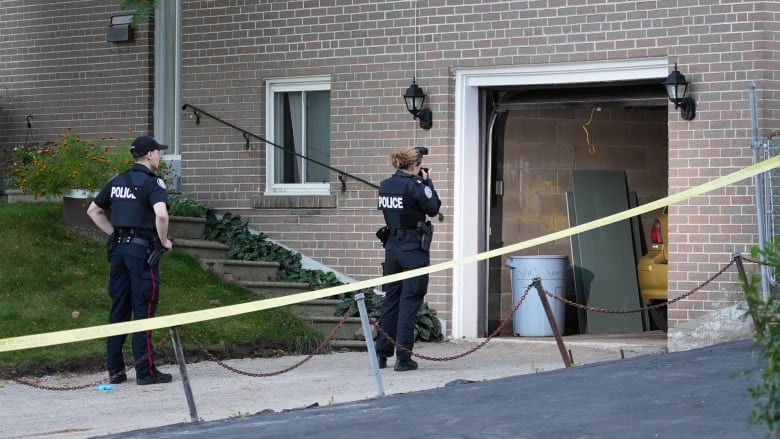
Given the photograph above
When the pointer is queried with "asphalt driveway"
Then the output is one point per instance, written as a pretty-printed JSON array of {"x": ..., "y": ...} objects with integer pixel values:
[{"x": 695, "y": 394}]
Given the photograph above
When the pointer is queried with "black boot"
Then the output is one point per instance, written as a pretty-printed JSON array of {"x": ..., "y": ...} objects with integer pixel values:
[{"x": 405, "y": 365}]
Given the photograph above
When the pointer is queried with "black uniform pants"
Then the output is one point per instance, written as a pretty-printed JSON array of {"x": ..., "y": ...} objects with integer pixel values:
[
  {"x": 403, "y": 298},
  {"x": 133, "y": 287}
]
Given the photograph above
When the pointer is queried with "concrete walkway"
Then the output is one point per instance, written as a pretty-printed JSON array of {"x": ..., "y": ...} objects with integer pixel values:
[
  {"x": 694, "y": 394},
  {"x": 324, "y": 380}
]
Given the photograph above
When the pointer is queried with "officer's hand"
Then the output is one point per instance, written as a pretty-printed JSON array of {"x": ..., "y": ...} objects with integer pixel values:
[
  {"x": 425, "y": 173},
  {"x": 167, "y": 245}
]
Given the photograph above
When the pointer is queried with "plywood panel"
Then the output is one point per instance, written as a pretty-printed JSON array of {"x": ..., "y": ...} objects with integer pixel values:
[{"x": 606, "y": 260}]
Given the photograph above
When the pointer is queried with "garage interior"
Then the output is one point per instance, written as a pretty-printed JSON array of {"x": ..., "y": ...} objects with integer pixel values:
[{"x": 543, "y": 137}]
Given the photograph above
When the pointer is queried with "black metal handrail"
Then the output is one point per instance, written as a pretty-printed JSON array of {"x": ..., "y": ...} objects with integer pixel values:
[{"x": 247, "y": 134}]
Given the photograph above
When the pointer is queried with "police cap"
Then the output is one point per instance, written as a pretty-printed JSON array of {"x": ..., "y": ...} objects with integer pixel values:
[{"x": 144, "y": 144}]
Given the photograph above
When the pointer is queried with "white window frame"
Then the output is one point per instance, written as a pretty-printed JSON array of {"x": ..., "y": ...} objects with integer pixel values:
[{"x": 280, "y": 85}]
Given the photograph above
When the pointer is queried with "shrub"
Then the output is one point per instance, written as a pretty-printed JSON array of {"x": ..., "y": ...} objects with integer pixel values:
[
  {"x": 179, "y": 205},
  {"x": 427, "y": 326},
  {"x": 766, "y": 317},
  {"x": 72, "y": 163}
]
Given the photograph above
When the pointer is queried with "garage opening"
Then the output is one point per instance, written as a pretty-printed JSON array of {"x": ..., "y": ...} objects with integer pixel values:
[{"x": 542, "y": 140}]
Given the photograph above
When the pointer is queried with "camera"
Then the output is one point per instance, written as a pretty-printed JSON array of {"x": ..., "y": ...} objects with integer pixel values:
[{"x": 421, "y": 171}]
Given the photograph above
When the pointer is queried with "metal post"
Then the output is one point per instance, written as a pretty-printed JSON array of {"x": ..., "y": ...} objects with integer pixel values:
[
  {"x": 360, "y": 298},
  {"x": 737, "y": 256},
  {"x": 537, "y": 282},
  {"x": 758, "y": 181},
  {"x": 185, "y": 380}
]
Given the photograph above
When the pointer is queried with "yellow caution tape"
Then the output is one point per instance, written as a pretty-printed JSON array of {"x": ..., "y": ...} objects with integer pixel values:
[{"x": 93, "y": 332}]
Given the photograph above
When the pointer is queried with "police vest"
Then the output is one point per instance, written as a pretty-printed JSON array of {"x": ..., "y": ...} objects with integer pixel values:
[
  {"x": 398, "y": 201},
  {"x": 130, "y": 195}
]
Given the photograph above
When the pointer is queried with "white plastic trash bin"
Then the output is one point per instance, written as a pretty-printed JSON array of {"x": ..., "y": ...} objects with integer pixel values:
[{"x": 530, "y": 320}]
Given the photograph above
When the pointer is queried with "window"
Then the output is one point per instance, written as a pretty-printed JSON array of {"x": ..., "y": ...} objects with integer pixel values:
[{"x": 298, "y": 121}]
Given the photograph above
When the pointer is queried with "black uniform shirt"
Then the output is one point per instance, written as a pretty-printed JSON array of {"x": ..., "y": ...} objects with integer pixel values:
[
  {"x": 406, "y": 199},
  {"x": 131, "y": 195}
]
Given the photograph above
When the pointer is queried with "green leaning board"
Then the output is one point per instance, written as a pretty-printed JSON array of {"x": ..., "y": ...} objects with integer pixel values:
[{"x": 604, "y": 259}]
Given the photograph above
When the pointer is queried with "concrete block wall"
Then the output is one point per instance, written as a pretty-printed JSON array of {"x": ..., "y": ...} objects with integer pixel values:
[{"x": 542, "y": 148}]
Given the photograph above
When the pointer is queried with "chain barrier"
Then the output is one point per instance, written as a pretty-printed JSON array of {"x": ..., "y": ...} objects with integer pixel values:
[
  {"x": 646, "y": 308},
  {"x": 755, "y": 261},
  {"x": 36, "y": 385},
  {"x": 316, "y": 351},
  {"x": 326, "y": 342},
  {"x": 565, "y": 301},
  {"x": 492, "y": 335}
]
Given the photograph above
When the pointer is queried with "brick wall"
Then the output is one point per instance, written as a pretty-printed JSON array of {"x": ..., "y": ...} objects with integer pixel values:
[
  {"x": 56, "y": 66},
  {"x": 368, "y": 48}
]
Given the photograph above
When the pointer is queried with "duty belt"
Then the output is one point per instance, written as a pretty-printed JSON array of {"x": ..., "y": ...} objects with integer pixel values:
[
  {"x": 403, "y": 232},
  {"x": 139, "y": 241},
  {"x": 126, "y": 239}
]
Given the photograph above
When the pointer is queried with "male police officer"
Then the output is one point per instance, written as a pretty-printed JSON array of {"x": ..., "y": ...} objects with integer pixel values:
[
  {"x": 405, "y": 199},
  {"x": 138, "y": 225}
]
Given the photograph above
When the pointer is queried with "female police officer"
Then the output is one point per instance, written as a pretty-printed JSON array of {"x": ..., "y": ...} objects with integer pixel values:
[
  {"x": 139, "y": 220},
  {"x": 405, "y": 199}
]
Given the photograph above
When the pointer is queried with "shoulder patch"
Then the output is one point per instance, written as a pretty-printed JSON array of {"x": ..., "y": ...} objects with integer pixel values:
[
  {"x": 428, "y": 192},
  {"x": 161, "y": 183}
]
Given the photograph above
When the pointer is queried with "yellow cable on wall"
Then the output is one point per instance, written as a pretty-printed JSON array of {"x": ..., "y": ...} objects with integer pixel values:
[{"x": 591, "y": 145}]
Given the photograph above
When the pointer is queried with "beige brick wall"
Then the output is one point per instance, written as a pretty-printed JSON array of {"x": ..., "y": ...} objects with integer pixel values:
[
  {"x": 56, "y": 65},
  {"x": 368, "y": 48}
]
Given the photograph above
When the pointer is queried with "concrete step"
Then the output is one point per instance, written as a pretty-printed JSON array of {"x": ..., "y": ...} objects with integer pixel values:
[
  {"x": 185, "y": 227},
  {"x": 267, "y": 290},
  {"x": 317, "y": 307},
  {"x": 258, "y": 276},
  {"x": 349, "y": 345},
  {"x": 201, "y": 248},
  {"x": 240, "y": 271},
  {"x": 326, "y": 325}
]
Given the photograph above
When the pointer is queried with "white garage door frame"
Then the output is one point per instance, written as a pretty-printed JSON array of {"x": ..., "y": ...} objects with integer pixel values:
[{"x": 470, "y": 149}]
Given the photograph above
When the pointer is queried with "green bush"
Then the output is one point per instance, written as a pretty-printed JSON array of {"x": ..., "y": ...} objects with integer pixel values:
[
  {"x": 766, "y": 317},
  {"x": 72, "y": 163},
  {"x": 179, "y": 205},
  {"x": 427, "y": 327},
  {"x": 242, "y": 244}
]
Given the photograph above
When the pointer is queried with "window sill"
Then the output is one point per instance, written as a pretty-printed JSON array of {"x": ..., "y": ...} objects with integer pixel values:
[{"x": 295, "y": 202}]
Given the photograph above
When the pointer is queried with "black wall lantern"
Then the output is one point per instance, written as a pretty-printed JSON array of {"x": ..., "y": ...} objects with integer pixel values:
[
  {"x": 415, "y": 98},
  {"x": 676, "y": 87},
  {"x": 121, "y": 29}
]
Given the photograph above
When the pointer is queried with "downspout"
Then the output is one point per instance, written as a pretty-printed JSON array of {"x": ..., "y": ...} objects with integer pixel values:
[{"x": 758, "y": 181}]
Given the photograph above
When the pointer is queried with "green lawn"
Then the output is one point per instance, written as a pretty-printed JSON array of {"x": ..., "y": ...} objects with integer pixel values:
[{"x": 49, "y": 271}]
